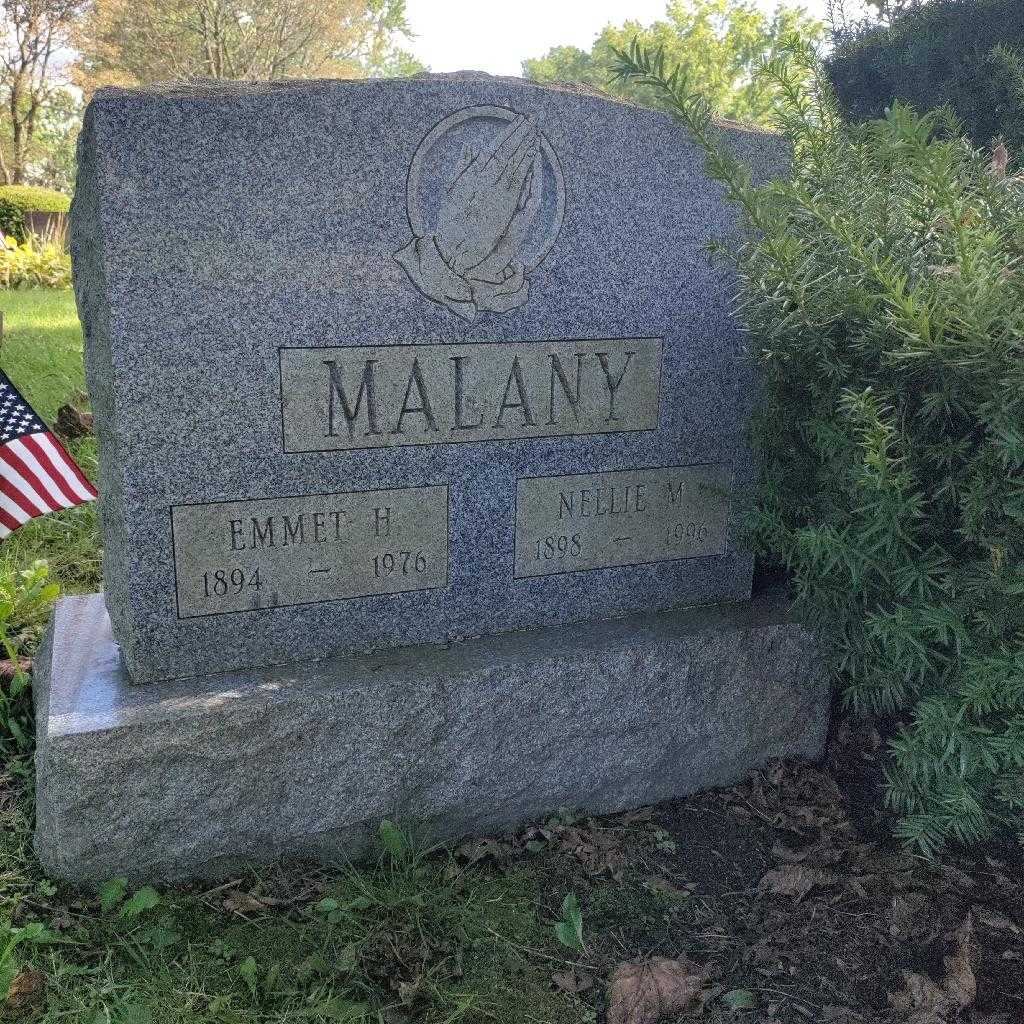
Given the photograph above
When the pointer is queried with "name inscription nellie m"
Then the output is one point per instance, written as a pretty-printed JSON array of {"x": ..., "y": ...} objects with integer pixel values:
[
  {"x": 630, "y": 517},
  {"x": 381, "y": 396}
]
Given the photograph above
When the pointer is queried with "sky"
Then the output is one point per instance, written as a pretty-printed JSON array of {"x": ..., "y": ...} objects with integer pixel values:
[{"x": 481, "y": 35}]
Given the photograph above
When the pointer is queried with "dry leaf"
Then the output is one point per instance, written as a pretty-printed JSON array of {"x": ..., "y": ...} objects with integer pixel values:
[
  {"x": 794, "y": 880},
  {"x": 26, "y": 989},
  {"x": 408, "y": 991},
  {"x": 8, "y": 668},
  {"x": 72, "y": 423},
  {"x": 960, "y": 983},
  {"x": 783, "y": 853},
  {"x": 922, "y": 1001},
  {"x": 238, "y": 902},
  {"x": 1000, "y": 160},
  {"x": 925, "y": 1002},
  {"x": 993, "y": 920},
  {"x": 572, "y": 981},
  {"x": 641, "y": 993},
  {"x": 914, "y": 916}
]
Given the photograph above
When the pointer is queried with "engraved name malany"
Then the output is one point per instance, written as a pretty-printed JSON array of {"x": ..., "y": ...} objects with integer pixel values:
[
  {"x": 244, "y": 555},
  {"x": 383, "y": 396},
  {"x": 632, "y": 517}
]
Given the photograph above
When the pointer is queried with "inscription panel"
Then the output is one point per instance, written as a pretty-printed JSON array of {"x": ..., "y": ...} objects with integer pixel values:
[
  {"x": 386, "y": 395},
  {"x": 634, "y": 517},
  {"x": 233, "y": 556}
]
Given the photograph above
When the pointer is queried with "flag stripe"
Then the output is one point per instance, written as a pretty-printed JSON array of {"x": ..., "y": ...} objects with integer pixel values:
[
  {"x": 37, "y": 475},
  {"x": 12, "y": 511},
  {"x": 31, "y": 443},
  {"x": 81, "y": 489},
  {"x": 11, "y": 477},
  {"x": 7, "y": 523},
  {"x": 27, "y": 468},
  {"x": 90, "y": 491},
  {"x": 18, "y": 490}
]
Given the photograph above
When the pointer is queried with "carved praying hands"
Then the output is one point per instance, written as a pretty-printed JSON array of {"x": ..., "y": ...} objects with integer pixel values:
[
  {"x": 489, "y": 207},
  {"x": 488, "y": 221}
]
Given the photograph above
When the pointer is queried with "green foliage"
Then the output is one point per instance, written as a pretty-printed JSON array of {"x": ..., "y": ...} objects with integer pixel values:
[
  {"x": 34, "y": 199},
  {"x": 965, "y": 53},
  {"x": 716, "y": 42},
  {"x": 25, "y": 600},
  {"x": 34, "y": 264},
  {"x": 884, "y": 296},
  {"x": 12, "y": 220},
  {"x": 42, "y": 354},
  {"x": 569, "y": 928}
]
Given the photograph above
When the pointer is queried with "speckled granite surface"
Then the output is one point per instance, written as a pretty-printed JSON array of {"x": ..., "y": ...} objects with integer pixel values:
[
  {"x": 193, "y": 777},
  {"x": 213, "y": 226}
]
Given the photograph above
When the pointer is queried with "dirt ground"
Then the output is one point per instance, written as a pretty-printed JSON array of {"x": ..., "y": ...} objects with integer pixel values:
[{"x": 793, "y": 904}]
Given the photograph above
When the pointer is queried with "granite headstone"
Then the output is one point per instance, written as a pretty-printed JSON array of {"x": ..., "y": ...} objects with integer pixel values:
[
  {"x": 387, "y": 363},
  {"x": 422, "y": 420}
]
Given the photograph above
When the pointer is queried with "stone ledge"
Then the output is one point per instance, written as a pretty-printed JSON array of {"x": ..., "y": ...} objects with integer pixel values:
[{"x": 191, "y": 778}]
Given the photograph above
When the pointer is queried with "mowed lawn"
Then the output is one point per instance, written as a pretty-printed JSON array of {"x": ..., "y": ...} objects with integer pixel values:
[
  {"x": 41, "y": 352},
  {"x": 411, "y": 939}
]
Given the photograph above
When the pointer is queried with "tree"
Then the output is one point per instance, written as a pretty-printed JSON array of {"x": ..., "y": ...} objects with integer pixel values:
[
  {"x": 715, "y": 43},
  {"x": 34, "y": 37},
  {"x": 848, "y": 17},
  {"x": 132, "y": 42}
]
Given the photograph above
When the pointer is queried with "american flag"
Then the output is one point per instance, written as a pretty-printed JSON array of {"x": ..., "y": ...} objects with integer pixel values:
[{"x": 36, "y": 474}]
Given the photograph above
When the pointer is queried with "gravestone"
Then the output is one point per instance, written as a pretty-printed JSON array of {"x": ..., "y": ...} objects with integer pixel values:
[{"x": 422, "y": 421}]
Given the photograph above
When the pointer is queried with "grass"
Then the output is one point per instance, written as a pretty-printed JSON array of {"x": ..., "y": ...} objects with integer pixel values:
[
  {"x": 413, "y": 938},
  {"x": 41, "y": 352}
]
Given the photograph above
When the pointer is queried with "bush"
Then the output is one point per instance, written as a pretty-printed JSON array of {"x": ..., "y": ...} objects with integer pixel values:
[
  {"x": 33, "y": 199},
  {"x": 965, "y": 53},
  {"x": 32, "y": 264},
  {"x": 18, "y": 200},
  {"x": 26, "y": 597},
  {"x": 12, "y": 220},
  {"x": 883, "y": 289}
]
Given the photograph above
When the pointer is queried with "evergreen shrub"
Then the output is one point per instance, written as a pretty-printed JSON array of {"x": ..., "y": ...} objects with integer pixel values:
[
  {"x": 968, "y": 54},
  {"x": 35, "y": 199},
  {"x": 882, "y": 286},
  {"x": 12, "y": 220}
]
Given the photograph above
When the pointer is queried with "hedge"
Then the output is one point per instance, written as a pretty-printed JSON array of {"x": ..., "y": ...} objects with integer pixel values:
[
  {"x": 33, "y": 199},
  {"x": 968, "y": 54}
]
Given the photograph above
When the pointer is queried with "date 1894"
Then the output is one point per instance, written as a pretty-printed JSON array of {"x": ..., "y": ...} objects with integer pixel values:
[{"x": 247, "y": 555}]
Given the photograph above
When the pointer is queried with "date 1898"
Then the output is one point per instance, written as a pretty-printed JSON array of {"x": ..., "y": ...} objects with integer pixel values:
[{"x": 610, "y": 520}]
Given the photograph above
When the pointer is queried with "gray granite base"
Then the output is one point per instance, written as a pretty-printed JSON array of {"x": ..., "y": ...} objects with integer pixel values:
[{"x": 193, "y": 778}]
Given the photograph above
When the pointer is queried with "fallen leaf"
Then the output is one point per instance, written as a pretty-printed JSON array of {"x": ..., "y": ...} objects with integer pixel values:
[
  {"x": 740, "y": 999},
  {"x": 408, "y": 991},
  {"x": 925, "y": 1001},
  {"x": 9, "y": 668},
  {"x": 960, "y": 982},
  {"x": 1000, "y": 160},
  {"x": 658, "y": 884},
  {"x": 913, "y": 916},
  {"x": 783, "y": 853},
  {"x": 993, "y": 920},
  {"x": 26, "y": 989},
  {"x": 572, "y": 981},
  {"x": 72, "y": 422},
  {"x": 644, "y": 992},
  {"x": 922, "y": 1001},
  {"x": 238, "y": 902},
  {"x": 794, "y": 880}
]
